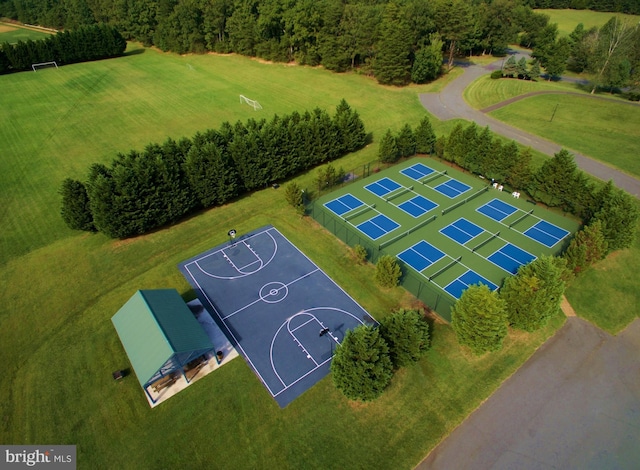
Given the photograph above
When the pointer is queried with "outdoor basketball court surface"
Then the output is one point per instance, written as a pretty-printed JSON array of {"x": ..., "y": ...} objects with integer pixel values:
[{"x": 281, "y": 312}]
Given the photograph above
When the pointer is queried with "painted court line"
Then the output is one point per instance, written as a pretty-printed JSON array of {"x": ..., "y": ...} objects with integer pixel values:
[
  {"x": 261, "y": 300},
  {"x": 235, "y": 339}
]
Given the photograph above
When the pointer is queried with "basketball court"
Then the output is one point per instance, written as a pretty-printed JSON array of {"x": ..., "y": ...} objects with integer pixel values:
[{"x": 284, "y": 315}]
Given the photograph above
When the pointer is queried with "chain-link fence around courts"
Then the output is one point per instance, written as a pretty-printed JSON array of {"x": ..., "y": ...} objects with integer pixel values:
[{"x": 419, "y": 286}]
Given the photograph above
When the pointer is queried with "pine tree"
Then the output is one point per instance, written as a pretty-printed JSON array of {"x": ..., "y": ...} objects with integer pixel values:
[
  {"x": 350, "y": 128},
  {"x": 534, "y": 294},
  {"x": 388, "y": 271},
  {"x": 586, "y": 248},
  {"x": 521, "y": 68},
  {"x": 479, "y": 319},
  {"x": 76, "y": 209},
  {"x": 618, "y": 212},
  {"x": 391, "y": 65},
  {"x": 388, "y": 150},
  {"x": 406, "y": 142},
  {"x": 534, "y": 70},
  {"x": 361, "y": 367},
  {"x": 407, "y": 334},
  {"x": 555, "y": 179},
  {"x": 425, "y": 137},
  {"x": 519, "y": 174},
  {"x": 510, "y": 67}
]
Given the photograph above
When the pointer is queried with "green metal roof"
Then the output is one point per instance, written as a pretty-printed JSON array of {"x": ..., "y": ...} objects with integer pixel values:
[{"x": 153, "y": 326}]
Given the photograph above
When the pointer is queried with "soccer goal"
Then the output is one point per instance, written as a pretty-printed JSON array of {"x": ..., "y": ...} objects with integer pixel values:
[
  {"x": 254, "y": 104},
  {"x": 44, "y": 65}
]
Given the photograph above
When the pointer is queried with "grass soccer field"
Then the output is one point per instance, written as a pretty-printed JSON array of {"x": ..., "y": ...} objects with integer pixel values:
[
  {"x": 56, "y": 123},
  {"x": 450, "y": 228}
]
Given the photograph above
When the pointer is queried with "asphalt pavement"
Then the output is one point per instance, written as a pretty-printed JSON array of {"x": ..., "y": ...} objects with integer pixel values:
[
  {"x": 575, "y": 404},
  {"x": 450, "y": 104}
]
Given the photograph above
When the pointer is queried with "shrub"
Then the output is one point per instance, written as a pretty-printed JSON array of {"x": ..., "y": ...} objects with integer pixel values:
[
  {"x": 360, "y": 254},
  {"x": 388, "y": 271}
]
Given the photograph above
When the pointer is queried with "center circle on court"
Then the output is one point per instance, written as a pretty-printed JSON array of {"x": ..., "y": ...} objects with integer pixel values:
[{"x": 273, "y": 292}]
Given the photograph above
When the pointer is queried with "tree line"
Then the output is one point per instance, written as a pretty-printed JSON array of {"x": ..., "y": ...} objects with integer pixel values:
[
  {"x": 556, "y": 183},
  {"x": 619, "y": 6},
  {"x": 140, "y": 191},
  {"x": 91, "y": 42},
  {"x": 396, "y": 41}
]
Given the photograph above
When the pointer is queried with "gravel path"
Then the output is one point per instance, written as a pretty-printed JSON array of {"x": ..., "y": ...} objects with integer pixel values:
[{"x": 450, "y": 104}]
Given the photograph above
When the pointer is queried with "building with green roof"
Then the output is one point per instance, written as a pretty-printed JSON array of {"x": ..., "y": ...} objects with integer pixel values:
[{"x": 161, "y": 336}]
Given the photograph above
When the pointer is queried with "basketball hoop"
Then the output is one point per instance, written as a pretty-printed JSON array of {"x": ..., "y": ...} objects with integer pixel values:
[{"x": 232, "y": 235}]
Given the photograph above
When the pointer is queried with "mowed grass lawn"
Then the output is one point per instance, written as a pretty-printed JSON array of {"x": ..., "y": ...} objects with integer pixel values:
[
  {"x": 567, "y": 20},
  {"x": 13, "y": 33},
  {"x": 58, "y": 345},
  {"x": 56, "y": 123},
  {"x": 606, "y": 130},
  {"x": 57, "y": 385},
  {"x": 61, "y": 287}
]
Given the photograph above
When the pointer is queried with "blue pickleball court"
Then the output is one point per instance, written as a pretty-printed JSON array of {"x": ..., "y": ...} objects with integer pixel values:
[
  {"x": 546, "y": 233},
  {"x": 452, "y": 188},
  {"x": 462, "y": 231},
  {"x": 510, "y": 258},
  {"x": 497, "y": 210},
  {"x": 421, "y": 255},
  {"x": 458, "y": 286},
  {"x": 344, "y": 204},
  {"x": 417, "y": 171},
  {"x": 417, "y": 206},
  {"x": 383, "y": 187},
  {"x": 377, "y": 226}
]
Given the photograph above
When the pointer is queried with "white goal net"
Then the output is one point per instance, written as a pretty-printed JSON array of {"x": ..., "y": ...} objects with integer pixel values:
[
  {"x": 253, "y": 103},
  {"x": 44, "y": 65}
]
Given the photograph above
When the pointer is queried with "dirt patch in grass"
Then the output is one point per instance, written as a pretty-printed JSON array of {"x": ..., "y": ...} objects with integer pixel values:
[{"x": 4, "y": 28}]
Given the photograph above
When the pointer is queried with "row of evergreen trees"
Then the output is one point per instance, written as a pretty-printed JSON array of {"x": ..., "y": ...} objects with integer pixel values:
[
  {"x": 86, "y": 43},
  {"x": 556, "y": 183},
  {"x": 140, "y": 191}
]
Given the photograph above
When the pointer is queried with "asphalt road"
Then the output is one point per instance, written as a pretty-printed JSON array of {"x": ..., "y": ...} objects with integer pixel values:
[
  {"x": 450, "y": 104},
  {"x": 575, "y": 404}
]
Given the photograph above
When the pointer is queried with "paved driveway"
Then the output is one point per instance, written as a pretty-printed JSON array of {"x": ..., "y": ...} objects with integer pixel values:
[
  {"x": 450, "y": 104},
  {"x": 575, "y": 404}
]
